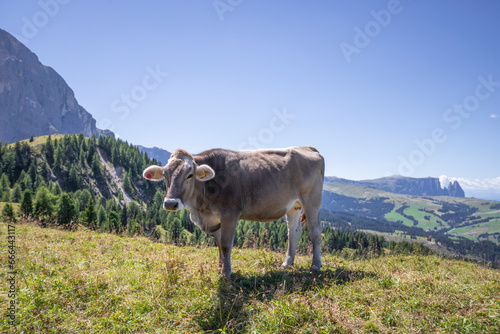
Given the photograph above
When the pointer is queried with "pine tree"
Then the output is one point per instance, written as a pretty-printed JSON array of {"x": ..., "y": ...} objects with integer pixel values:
[
  {"x": 16, "y": 193},
  {"x": 124, "y": 217},
  {"x": 58, "y": 158},
  {"x": 66, "y": 212},
  {"x": 73, "y": 180},
  {"x": 43, "y": 203},
  {"x": 113, "y": 221},
  {"x": 127, "y": 183},
  {"x": 4, "y": 183},
  {"x": 6, "y": 196},
  {"x": 48, "y": 150},
  {"x": 89, "y": 216},
  {"x": 101, "y": 215},
  {"x": 8, "y": 213},
  {"x": 56, "y": 189},
  {"x": 96, "y": 165},
  {"x": 9, "y": 164},
  {"x": 26, "y": 207}
]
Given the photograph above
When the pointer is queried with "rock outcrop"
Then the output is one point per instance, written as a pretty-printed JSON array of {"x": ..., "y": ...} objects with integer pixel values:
[{"x": 34, "y": 99}]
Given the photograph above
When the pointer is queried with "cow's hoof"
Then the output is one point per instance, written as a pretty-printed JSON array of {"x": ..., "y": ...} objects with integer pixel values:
[{"x": 315, "y": 268}]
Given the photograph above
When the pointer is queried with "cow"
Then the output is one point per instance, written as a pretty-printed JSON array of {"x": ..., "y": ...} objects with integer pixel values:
[{"x": 220, "y": 187}]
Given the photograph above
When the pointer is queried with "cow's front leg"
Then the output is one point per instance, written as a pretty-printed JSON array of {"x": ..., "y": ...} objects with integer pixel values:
[
  {"x": 224, "y": 238},
  {"x": 217, "y": 237}
]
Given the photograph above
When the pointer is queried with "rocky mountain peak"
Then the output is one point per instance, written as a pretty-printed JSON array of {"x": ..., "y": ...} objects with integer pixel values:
[{"x": 34, "y": 99}]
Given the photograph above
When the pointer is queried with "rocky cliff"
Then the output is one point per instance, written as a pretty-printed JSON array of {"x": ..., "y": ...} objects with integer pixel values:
[
  {"x": 34, "y": 99},
  {"x": 428, "y": 186}
]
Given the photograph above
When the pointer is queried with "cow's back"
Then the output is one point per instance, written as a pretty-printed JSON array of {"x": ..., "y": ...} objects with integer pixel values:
[{"x": 263, "y": 184}]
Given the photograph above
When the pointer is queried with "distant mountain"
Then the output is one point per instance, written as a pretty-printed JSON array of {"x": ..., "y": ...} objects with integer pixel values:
[
  {"x": 34, "y": 99},
  {"x": 157, "y": 153},
  {"x": 429, "y": 186}
]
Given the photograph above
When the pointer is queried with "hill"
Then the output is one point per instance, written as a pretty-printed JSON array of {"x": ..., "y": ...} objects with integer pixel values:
[
  {"x": 471, "y": 218},
  {"x": 98, "y": 182},
  {"x": 84, "y": 281}
]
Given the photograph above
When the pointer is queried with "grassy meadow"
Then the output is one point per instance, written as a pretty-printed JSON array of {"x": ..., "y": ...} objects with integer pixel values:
[{"x": 88, "y": 282}]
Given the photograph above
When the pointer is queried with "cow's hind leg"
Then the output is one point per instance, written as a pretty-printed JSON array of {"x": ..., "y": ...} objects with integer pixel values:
[
  {"x": 294, "y": 230},
  {"x": 314, "y": 229}
]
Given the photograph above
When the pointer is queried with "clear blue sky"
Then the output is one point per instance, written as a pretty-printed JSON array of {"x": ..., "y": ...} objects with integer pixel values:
[{"x": 379, "y": 87}]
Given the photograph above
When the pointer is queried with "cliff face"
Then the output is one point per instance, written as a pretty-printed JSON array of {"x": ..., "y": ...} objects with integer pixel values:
[
  {"x": 455, "y": 190},
  {"x": 34, "y": 99},
  {"x": 428, "y": 186}
]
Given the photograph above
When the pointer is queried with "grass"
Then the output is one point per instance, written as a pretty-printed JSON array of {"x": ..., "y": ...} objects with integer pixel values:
[
  {"x": 85, "y": 282},
  {"x": 395, "y": 216},
  {"x": 39, "y": 140},
  {"x": 419, "y": 215}
]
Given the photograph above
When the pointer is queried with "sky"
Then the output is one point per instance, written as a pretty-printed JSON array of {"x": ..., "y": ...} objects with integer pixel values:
[{"x": 409, "y": 87}]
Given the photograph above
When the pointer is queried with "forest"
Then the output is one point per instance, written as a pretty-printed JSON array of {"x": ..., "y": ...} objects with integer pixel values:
[{"x": 67, "y": 181}]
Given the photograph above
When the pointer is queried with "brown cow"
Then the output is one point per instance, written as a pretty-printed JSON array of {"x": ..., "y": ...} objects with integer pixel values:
[{"x": 219, "y": 187}]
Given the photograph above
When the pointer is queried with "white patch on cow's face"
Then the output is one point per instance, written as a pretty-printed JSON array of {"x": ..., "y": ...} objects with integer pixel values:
[{"x": 172, "y": 204}]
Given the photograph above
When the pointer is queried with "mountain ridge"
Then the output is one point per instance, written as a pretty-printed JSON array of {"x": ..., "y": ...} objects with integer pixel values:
[
  {"x": 428, "y": 186},
  {"x": 35, "y": 100}
]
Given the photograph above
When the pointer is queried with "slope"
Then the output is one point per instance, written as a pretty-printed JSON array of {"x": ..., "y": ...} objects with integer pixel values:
[
  {"x": 83, "y": 281},
  {"x": 472, "y": 218}
]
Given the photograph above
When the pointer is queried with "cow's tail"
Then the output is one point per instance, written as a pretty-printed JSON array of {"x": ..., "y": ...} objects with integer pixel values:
[{"x": 303, "y": 219}]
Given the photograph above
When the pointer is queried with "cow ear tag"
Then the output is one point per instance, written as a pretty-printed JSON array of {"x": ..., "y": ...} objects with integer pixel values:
[
  {"x": 154, "y": 176},
  {"x": 204, "y": 173},
  {"x": 153, "y": 173}
]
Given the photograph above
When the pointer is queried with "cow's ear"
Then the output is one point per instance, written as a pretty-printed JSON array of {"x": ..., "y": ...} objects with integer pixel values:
[
  {"x": 204, "y": 173},
  {"x": 153, "y": 173}
]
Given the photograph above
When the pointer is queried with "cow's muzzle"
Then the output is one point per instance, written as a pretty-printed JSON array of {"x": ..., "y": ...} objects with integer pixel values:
[{"x": 172, "y": 204}]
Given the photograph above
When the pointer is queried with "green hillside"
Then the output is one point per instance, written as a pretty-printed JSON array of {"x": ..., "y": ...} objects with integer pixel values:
[
  {"x": 89, "y": 282},
  {"x": 471, "y": 218}
]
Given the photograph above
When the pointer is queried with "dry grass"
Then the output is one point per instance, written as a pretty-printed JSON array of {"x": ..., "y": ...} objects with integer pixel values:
[{"x": 83, "y": 282}]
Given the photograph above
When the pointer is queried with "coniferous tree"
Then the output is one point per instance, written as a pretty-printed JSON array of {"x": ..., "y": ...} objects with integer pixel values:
[
  {"x": 26, "y": 207},
  {"x": 66, "y": 212},
  {"x": 96, "y": 165},
  {"x": 89, "y": 216},
  {"x": 4, "y": 183},
  {"x": 113, "y": 221},
  {"x": 73, "y": 180},
  {"x": 101, "y": 215},
  {"x": 127, "y": 182},
  {"x": 48, "y": 150},
  {"x": 8, "y": 213},
  {"x": 9, "y": 164},
  {"x": 124, "y": 217},
  {"x": 16, "y": 193},
  {"x": 56, "y": 189},
  {"x": 44, "y": 206},
  {"x": 58, "y": 158}
]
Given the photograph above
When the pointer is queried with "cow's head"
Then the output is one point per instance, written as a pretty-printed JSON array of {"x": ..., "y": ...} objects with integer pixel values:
[{"x": 180, "y": 175}]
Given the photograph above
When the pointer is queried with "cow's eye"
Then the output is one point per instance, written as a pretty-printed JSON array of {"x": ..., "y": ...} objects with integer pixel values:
[{"x": 189, "y": 176}]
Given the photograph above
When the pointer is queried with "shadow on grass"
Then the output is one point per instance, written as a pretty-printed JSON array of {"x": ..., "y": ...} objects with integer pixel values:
[{"x": 229, "y": 313}]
